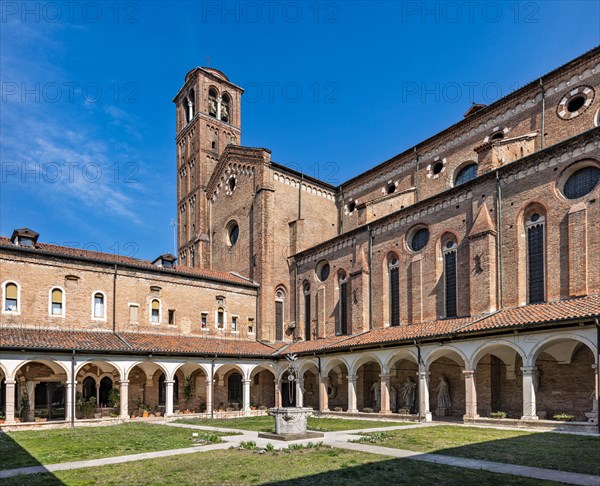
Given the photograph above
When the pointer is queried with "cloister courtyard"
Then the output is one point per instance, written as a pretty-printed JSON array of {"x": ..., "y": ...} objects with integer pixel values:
[{"x": 199, "y": 450}]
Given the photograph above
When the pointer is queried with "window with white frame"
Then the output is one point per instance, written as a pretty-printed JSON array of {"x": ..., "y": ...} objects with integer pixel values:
[
  {"x": 204, "y": 321},
  {"x": 134, "y": 313},
  {"x": 98, "y": 306},
  {"x": 220, "y": 318},
  {"x": 57, "y": 302},
  {"x": 250, "y": 325},
  {"x": 155, "y": 311},
  {"x": 234, "y": 323},
  {"x": 11, "y": 298}
]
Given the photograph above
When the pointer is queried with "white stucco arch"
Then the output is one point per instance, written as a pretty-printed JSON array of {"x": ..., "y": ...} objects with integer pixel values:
[
  {"x": 360, "y": 359},
  {"x": 146, "y": 366},
  {"x": 96, "y": 361},
  {"x": 445, "y": 351},
  {"x": 490, "y": 347},
  {"x": 55, "y": 365},
  {"x": 391, "y": 357},
  {"x": 556, "y": 339},
  {"x": 328, "y": 364}
]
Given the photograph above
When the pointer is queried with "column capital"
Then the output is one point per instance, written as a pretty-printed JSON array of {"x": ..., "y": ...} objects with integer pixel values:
[
  {"x": 124, "y": 382},
  {"x": 169, "y": 382},
  {"x": 469, "y": 373},
  {"x": 351, "y": 377},
  {"x": 10, "y": 382},
  {"x": 423, "y": 374},
  {"x": 245, "y": 382},
  {"x": 385, "y": 376},
  {"x": 528, "y": 369}
]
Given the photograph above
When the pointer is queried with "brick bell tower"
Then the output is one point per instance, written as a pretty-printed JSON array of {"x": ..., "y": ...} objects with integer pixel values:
[{"x": 208, "y": 119}]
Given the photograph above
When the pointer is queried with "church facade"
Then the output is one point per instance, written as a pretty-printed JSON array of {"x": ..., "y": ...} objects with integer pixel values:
[{"x": 459, "y": 278}]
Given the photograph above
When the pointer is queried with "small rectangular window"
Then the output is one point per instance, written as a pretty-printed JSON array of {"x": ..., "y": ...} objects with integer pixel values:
[
  {"x": 57, "y": 306},
  {"x": 220, "y": 319},
  {"x": 204, "y": 321},
  {"x": 98, "y": 306},
  {"x": 11, "y": 303},
  {"x": 133, "y": 312},
  {"x": 250, "y": 325},
  {"x": 234, "y": 323},
  {"x": 172, "y": 317}
]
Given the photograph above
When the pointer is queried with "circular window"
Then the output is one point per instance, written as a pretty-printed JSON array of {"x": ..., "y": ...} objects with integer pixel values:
[
  {"x": 391, "y": 188},
  {"x": 323, "y": 270},
  {"x": 437, "y": 168},
  {"x": 450, "y": 244},
  {"x": 351, "y": 206},
  {"x": 419, "y": 239},
  {"x": 497, "y": 136},
  {"x": 233, "y": 232},
  {"x": 232, "y": 183},
  {"x": 467, "y": 173},
  {"x": 534, "y": 217},
  {"x": 581, "y": 182},
  {"x": 575, "y": 102}
]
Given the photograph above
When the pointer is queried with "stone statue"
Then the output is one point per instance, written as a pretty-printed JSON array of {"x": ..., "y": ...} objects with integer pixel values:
[
  {"x": 443, "y": 398},
  {"x": 212, "y": 106},
  {"x": 393, "y": 398},
  {"x": 376, "y": 392},
  {"x": 407, "y": 392},
  {"x": 224, "y": 112}
]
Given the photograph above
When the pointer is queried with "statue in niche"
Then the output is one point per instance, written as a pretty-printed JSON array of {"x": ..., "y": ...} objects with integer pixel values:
[
  {"x": 212, "y": 106},
  {"x": 224, "y": 112},
  {"x": 393, "y": 398},
  {"x": 376, "y": 393},
  {"x": 443, "y": 397},
  {"x": 407, "y": 392}
]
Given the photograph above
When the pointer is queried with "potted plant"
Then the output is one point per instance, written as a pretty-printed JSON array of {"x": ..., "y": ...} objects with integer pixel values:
[
  {"x": 498, "y": 415},
  {"x": 85, "y": 406},
  {"x": 114, "y": 399},
  {"x": 367, "y": 410},
  {"x": 563, "y": 417},
  {"x": 144, "y": 410},
  {"x": 157, "y": 412},
  {"x": 23, "y": 408},
  {"x": 252, "y": 406},
  {"x": 188, "y": 390},
  {"x": 2, "y": 418}
]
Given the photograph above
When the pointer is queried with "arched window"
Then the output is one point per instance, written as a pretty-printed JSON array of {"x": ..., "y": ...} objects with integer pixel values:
[
  {"x": 279, "y": 299},
  {"x": 89, "y": 387},
  {"x": 191, "y": 107},
  {"x": 343, "y": 303},
  {"x": 220, "y": 319},
  {"x": 212, "y": 102},
  {"x": 106, "y": 386},
  {"x": 307, "y": 313},
  {"x": 234, "y": 388},
  {"x": 536, "y": 258},
  {"x": 155, "y": 311},
  {"x": 57, "y": 302},
  {"x": 225, "y": 108},
  {"x": 467, "y": 173},
  {"x": 394, "y": 289},
  {"x": 450, "y": 277},
  {"x": 162, "y": 390},
  {"x": 11, "y": 297},
  {"x": 98, "y": 306}
]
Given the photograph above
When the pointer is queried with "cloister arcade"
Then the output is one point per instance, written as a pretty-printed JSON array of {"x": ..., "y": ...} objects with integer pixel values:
[{"x": 529, "y": 377}]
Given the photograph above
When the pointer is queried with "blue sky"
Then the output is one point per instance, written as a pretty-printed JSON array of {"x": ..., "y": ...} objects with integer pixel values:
[{"x": 332, "y": 88}]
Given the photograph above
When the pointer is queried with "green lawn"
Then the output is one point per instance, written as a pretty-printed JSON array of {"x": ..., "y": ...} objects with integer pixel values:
[
  {"x": 548, "y": 450},
  {"x": 330, "y": 467},
  {"x": 267, "y": 424},
  {"x": 32, "y": 447}
]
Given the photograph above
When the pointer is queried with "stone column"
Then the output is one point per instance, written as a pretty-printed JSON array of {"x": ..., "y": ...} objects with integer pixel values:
[
  {"x": 385, "y": 393},
  {"x": 209, "y": 395},
  {"x": 97, "y": 394},
  {"x": 169, "y": 397},
  {"x": 593, "y": 415},
  {"x": 352, "y": 394},
  {"x": 69, "y": 405},
  {"x": 246, "y": 395},
  {"x": 277, "y": 393},
  {"x": 300, "y": 392},
  {"x": 470, "y": 395},
  {"x": 219, "y": 108},
  {"x": 30, "y": 386},
  {"x": 10, "y": 401},
  {"x": 529, "y": 409},
  {"x": 323, "y": 397},
  {"x": 424, "y": 413},
  {"x": 124, "y": 399}
]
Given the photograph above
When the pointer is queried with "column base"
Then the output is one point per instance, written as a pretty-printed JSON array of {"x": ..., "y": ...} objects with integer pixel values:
[
  {"x": 468, "y": 418},
  {"x": 426, "y": 417},
  {"x": 353, "y": 410},
  {"x": 530, "y": 417}
]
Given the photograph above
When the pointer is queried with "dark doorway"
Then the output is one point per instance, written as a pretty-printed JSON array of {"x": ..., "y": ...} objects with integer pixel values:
[
  {"x": 106, "y": 385},
  {"x": 288, "y": 394},
  {"x": 234, "y": 387}
]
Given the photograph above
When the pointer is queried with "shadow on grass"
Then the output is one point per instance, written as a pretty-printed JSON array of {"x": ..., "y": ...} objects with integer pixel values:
[{"x": 22, "y": 459}]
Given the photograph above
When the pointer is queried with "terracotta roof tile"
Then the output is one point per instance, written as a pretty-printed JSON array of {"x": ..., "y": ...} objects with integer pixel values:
[
  {"x": 125, "y": 260},
  {"x": 13, "y": 337}
]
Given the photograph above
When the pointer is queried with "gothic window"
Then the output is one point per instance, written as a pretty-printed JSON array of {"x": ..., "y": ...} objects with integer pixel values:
[
  {"x": 11, "y": 297},
  {"x": 191, "y": 105},
  {"x": 98, "y": 306},
  {"x": 225, "y": 108},
  {"x": 394, "y": 289},
  {"x": 307, "y": 313},
  {"x": 192, "y": 257},
  {"x": 467, "y": 173},
  {"x": 343, "y": 303},
  {"x": 279, "y": 299},
  {"x": 212, "y": 102},
  {"x": 450, "y": 276},
  {"x": 57, "y": 302},
  {"x": 536, "y": 260}
]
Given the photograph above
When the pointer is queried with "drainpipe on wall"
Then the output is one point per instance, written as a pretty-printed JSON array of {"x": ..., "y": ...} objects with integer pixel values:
[
  {"x": 500, "y": 292},
  {"x": 296, "y": 298},
  {"x": 300, "y": 197},
  {"x": 543, "y": 111},
  {"x": 73, "y": 390},
  {"x": 341, "y": 215},
  {"x": 114, "y": 302},
  {"x": 370, "y": 277},
  {"x": 417, "y": 176},
  {"x": 212, "y": 385},
  {"x": 597, "y": 376}
]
